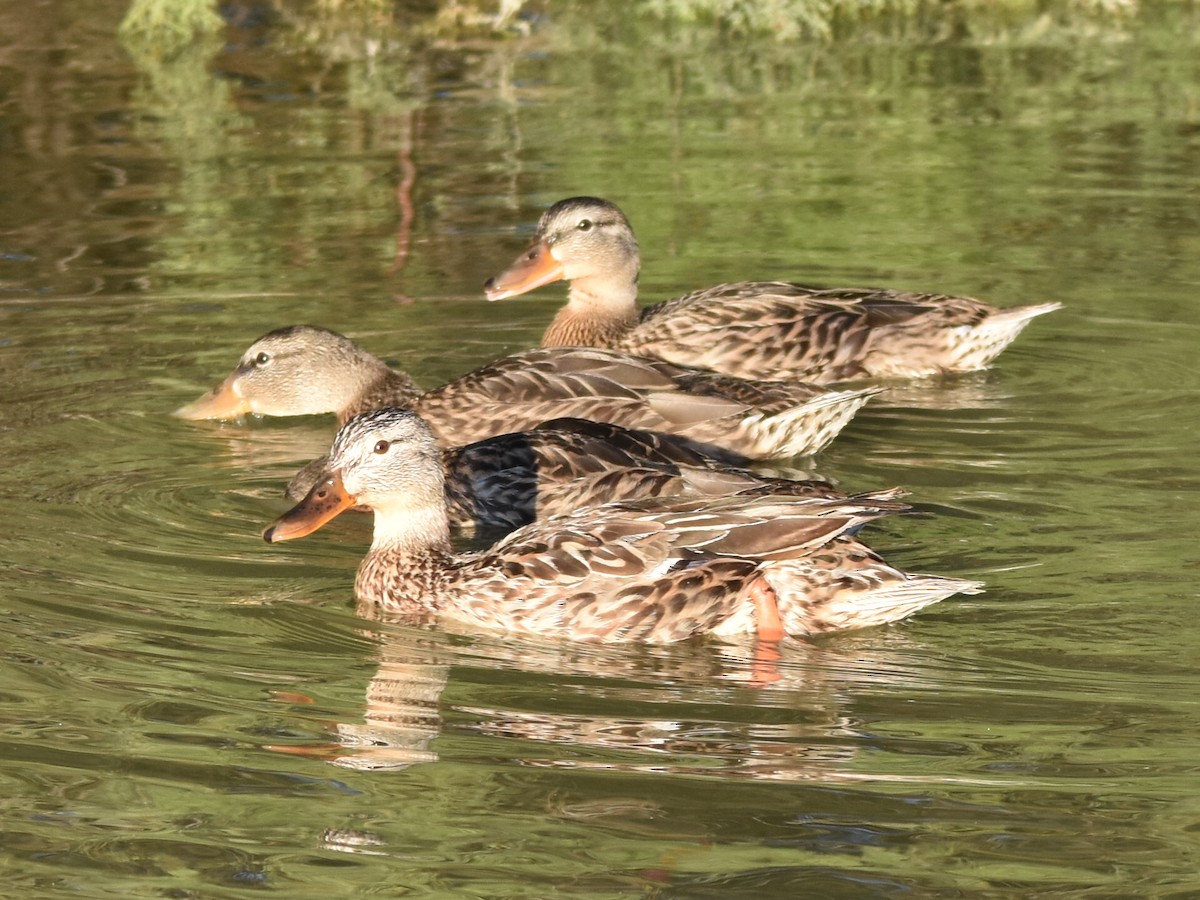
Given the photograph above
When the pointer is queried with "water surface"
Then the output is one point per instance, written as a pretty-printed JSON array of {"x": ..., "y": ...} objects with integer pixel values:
[{"x": 190, "y": 712}]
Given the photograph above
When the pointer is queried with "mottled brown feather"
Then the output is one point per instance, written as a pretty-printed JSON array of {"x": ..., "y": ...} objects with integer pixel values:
[
  {"x": 640, "y": 570},
  {"x": 312, "y": 370},
  {"x": 564, "y": 465},
  {"x": 759, "y": 329}
]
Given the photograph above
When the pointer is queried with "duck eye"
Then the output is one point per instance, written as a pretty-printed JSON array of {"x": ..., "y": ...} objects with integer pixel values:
[
  {"x": 584, "y": 225},
  {"x": 262, "y": 359},
  {"x": 382, "y": 446}
]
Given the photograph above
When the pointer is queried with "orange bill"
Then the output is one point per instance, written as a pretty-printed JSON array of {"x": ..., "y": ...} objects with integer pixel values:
[
  {"x": 533, "y": 268},
  {"x": 327, "y": 498},
  {"x": 222, "y": 402}
]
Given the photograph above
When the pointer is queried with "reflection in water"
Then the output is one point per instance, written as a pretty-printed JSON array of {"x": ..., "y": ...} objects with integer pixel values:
[
  {"x": 402, "y": 715},
  {"x": 400, "y": 720},
  {"x": 1036, "y": 739},
  {"x": 967, "y": 390},
  {"x": 164, "y": 28},
  {"x": 185, "y": 107},
  {"x": 267, "y": 449}
]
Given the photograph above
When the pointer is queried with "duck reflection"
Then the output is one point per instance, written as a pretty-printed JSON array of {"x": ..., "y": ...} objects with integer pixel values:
[{"x": 633, "y": 709}]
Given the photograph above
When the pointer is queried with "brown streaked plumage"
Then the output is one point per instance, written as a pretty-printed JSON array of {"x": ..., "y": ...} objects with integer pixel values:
[
  {"x": 646, "y": 570},
  {"x": 303, "y": 370},
  {"x": 752, "y": 329},
  {"x": 510, "y": 480}
]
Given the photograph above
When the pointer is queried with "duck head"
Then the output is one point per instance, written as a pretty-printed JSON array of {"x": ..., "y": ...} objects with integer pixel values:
[
  {"x": 295, "y": 371},
  {"x": 387, "y": 460},
  {"x": 583, "y": 240}
]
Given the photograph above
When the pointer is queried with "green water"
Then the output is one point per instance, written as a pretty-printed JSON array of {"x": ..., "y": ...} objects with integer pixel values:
[{"x": 188, "y": 712}]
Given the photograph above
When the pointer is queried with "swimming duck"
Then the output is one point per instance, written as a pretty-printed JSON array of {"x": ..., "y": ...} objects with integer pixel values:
[
  {"x": 753, "y": 329},
  {"x": 302, "y": 370},
  {"x": 765, "y": 564},
  {"x": 509, "y": 480}
]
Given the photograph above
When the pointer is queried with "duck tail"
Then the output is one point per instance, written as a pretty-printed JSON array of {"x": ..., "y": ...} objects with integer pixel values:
[
  {"x": 847, "y": 586},
  {"x": 808, "y": 428},
  {"x": 988, "y": 339}
]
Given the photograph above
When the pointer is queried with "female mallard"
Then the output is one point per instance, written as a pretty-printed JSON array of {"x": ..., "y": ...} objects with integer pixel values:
[
  {"x": 763, "y": 564},
  {"x": 753, "y": 329},
  {"x": 509, "y": 480},
  {"x": 303, "y": 370}
]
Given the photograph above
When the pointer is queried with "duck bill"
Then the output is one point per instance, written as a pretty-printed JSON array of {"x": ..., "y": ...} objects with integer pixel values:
[
  {"x": 533, "y": 268},
  {"x": 222, "y": 402},
  {"x": 326, "y": 500}
]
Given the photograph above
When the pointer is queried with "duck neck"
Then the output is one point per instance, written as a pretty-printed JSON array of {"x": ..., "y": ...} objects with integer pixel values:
[
  {"x": 379, "y": 386},
  {"x": 407, "y": 564},
  {"x": 599, "y": 313},
  {"x": 413, "y": 530}
]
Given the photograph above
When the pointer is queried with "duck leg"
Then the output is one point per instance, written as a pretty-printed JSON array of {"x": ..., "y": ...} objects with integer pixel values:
[
  {"x": 767, "y": 635},
  {"x": 769, "y": 627}
]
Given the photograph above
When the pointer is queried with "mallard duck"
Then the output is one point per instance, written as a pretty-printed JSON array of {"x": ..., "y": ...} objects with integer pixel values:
[
  {"x": 303, "y": 370},
  {"x": 752, "y": 329},
  {"x": 763, "y": 564},
  {"x": 509, "y": 480}
]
